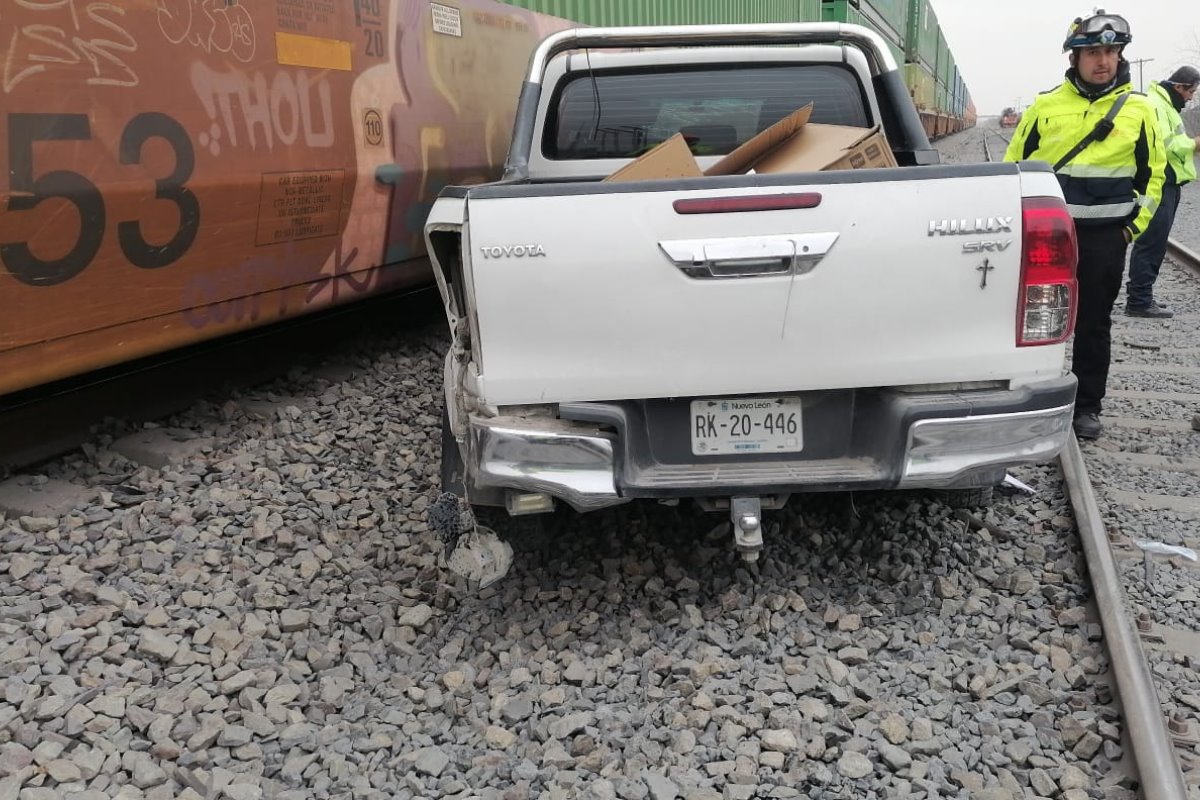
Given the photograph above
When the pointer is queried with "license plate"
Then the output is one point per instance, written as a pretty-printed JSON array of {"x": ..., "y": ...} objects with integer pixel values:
[{"x": 746, "y": 425}]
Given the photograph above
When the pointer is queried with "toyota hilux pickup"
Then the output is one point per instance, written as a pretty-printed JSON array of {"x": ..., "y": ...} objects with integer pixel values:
[{"x": 735, "y": 339}]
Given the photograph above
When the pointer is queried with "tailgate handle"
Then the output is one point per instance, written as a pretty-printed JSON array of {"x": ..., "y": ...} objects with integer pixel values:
[{"x": 749, "y": 256}]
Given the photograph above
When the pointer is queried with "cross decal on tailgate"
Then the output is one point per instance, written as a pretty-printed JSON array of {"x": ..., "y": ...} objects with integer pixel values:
[{"x": 985, "y": 268}]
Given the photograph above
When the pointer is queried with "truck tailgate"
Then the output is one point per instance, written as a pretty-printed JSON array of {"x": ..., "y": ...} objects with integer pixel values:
[{"x": 609, "y": 292}]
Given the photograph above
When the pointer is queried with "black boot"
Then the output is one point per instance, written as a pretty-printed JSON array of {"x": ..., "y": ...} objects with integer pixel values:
[
  {"x": 1154, "y": 311},
  {"x": 1087, "y": 425}
]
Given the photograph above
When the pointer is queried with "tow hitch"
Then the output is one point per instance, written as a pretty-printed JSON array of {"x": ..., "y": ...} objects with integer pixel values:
[
  {"x": 745, "y": 517},
  {"x": 746, "y": 513}
]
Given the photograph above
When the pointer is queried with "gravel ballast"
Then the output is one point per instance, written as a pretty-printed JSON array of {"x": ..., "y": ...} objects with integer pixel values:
[{"x": 269, "y": 616}]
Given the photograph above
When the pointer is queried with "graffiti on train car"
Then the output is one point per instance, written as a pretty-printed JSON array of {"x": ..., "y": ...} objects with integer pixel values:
[
  {"x": 212, "y": 164},
  {"x": 211, "y": 25},
  {"x": 292, "y": 107},
  {"x": 64, "y": 38},
  {"x": 211, "y": 299},
  {"x": 207, "y": 298}
]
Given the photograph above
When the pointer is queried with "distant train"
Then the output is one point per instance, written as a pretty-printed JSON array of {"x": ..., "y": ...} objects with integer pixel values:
[
  {"x": 918, "y": 42},
  {"x": 176, "y": 170},
  {"x": 1010, "y": 118}
]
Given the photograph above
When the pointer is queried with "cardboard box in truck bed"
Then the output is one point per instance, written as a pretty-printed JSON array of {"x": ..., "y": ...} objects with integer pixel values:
[
  {"x": 790, "y": 145},
  {"x": 671, "y": 159}
]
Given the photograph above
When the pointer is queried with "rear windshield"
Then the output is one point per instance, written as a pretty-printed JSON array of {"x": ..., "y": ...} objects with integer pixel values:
[{"x": 623, "y": 114}]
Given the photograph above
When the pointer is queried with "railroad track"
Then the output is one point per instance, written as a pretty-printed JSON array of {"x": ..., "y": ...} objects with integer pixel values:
[
  {"x": 988, "y": 153},
  {"x": 1184, "y": 255},
  {"x": 1122, "y": 567},
  {"x": 1137, "y": 451}
]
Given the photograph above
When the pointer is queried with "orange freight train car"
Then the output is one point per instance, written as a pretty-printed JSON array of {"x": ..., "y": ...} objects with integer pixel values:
[{"x": 176, "y": 170}]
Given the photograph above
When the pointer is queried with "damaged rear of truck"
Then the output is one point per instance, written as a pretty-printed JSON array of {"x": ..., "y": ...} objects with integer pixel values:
[{"x": 737, "y": 339}]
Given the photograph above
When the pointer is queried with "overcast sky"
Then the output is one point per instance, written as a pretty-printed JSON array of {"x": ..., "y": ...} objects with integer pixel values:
[{"x": 1012, "y": 49}]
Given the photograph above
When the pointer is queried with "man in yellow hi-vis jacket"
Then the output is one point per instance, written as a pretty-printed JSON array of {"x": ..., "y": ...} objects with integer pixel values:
[
  {"x": 1169, "y": 98},
  {"x": 1103, "y": 141}
]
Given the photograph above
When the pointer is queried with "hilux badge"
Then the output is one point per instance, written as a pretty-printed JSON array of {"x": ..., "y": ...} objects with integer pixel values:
[{"x": 966, "y": 227}]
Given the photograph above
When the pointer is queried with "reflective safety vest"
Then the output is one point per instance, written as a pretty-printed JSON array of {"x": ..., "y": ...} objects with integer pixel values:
[
  {"x": 1181, "y": 148},
  {"x": 1115, "y": 180}
]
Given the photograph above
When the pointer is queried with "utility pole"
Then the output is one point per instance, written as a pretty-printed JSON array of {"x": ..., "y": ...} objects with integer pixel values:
[{"x": 1141, "y": 72}]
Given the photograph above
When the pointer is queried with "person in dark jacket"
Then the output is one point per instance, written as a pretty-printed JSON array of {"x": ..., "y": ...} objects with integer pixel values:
[{"x": 1169, "y": 98}]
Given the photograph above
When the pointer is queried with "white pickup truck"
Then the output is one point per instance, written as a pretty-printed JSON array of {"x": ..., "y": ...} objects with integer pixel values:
[{"x": 738, "y": 339}]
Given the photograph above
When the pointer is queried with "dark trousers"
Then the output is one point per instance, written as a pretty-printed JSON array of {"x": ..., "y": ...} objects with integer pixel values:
[
  {"x": 1101, "y": 265},
  {"x": 1148, "y": 251}
]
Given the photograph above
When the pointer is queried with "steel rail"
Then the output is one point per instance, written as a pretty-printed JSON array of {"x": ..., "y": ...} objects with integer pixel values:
[
  {"x": 987, "y": 148},
  {"x": 1184, "y": 255},
  {"x": 1158, "y": 768}
]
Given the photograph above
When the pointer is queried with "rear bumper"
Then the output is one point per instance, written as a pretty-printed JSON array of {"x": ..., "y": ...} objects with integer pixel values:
[
  {"x": 941, "y": 450},
  {"x": 576, "y": 464},
  {"x": 601, "y": 454}
]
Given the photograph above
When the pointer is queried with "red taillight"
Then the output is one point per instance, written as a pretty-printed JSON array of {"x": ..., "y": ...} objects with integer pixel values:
[
  {"x": 1049, "y": 295},
  {"x": 762, "y": 202}
]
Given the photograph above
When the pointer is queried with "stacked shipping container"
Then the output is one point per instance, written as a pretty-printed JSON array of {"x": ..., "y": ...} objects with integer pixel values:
[
  {"x": 930, "y": 71},
  {"x": 675, "y": 12},
  {"x": 888, "y": 17},
  {"x": 929, "y": 53}
]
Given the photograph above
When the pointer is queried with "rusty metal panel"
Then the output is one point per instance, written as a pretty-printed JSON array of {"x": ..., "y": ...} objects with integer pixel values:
[{"x": 172, "y": 171}]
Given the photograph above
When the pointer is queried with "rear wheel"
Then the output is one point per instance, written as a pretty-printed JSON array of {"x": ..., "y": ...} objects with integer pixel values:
[
  {"x": 453, "y": 468},
  {"x": 978, "y": 497},
  {"x": 506, "y": 526},
  {"x": 454, "y": 473}
]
